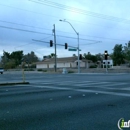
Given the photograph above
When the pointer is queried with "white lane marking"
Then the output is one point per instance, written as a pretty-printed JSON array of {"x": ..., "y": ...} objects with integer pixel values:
[
  {"x": 114, "y": 84},
  {"x": 86, "y": 84},
  {"x": 60, "y": 82},
  {"x": 51, "y": 87},
  {"x": 83, "y": 90},
  {"x": 125, "y": 88}
]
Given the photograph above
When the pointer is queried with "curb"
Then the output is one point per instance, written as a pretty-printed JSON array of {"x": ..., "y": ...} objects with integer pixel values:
[{"x": 1, "y": 84}]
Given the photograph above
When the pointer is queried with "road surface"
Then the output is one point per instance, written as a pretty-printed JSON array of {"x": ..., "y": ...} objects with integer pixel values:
[{"x": 64, "y": 102}]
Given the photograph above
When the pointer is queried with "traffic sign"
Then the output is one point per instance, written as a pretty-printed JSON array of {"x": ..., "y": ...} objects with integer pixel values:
[{"x": 72, "y": 49}]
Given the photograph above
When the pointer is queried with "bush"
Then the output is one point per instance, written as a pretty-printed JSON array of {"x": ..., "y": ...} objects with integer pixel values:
[
  {"x": 42, "y": 70},
  {"x": 70, "y": 71},
  {"x": 28, "y": 69},
  {"x": 39, "y": 70},
  {"x": 93, "y": 66}
]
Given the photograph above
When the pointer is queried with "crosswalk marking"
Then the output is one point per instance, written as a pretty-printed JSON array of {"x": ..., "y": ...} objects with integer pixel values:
[
  {"x": 82, "y": 86},
  {"x": 106, "y": 85},
  {"x": 84, "y": 90}
]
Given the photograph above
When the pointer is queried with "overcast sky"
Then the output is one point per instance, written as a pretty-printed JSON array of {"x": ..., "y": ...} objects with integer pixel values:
[{"x": 100, "y": 23}]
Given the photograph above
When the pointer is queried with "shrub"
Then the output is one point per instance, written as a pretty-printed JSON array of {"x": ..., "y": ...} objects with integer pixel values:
[
  {"x": 93, "y": 66},
  {"x": 39, "y": 70},
  {"x": 42, "y": 70},
  {"x": 70, "y": 71},
  {"x": 28, "y": 69}
]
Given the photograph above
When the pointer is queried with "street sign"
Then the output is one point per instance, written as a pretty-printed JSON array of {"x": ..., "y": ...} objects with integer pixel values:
[{"x": 72, "y": 49}]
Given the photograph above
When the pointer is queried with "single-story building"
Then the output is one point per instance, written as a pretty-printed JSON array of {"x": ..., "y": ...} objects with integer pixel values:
[{"x": 66, "y": 62}]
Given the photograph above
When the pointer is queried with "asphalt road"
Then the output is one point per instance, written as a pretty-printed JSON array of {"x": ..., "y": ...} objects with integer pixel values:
[{"x": 64, "y": 102}]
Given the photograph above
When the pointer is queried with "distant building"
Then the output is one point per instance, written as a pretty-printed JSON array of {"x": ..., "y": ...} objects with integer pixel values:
[{"x": 66, "y": 62}]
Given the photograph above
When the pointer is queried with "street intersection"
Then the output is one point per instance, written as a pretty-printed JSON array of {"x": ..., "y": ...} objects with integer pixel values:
[{"x": 64, "y": 101}]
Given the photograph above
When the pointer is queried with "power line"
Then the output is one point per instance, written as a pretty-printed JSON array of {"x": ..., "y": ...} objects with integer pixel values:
[
  {"x": 23, "y": 25},
  {"x": 76, "y": 10},
  {"x": 24, "y": 30},
  {"x": 31, "y": 42},
  {"x": 76, "y": 38},
  {"x": 50, "y": 30},
  {"x": 30, "y": 31},
  {"x": 59, "y": 31},
  {"x": 126, "y": 21},
  {"x": 55, "y": 17}
]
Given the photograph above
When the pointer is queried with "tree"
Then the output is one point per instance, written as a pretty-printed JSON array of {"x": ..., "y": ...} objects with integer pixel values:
[
  {"x": 99, "y": 57},
  {"x": 17, "y": 57},
  {"x": 30, "y": 58},
  {"x": 5, "y": 58},
  {"x": 127, "y": 52},
  {"x": 90, "y": 57},
  {"x": 11, "y": 60},
  {"x": 52, "y": 55},
  {"x": 118, "y": 54}
]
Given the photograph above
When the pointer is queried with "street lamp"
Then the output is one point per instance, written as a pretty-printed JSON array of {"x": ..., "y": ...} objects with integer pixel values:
[{"x": 77, "y": 39}]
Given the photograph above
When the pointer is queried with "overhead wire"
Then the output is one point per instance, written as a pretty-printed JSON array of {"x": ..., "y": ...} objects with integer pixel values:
[
  {"x": 23, "y": 25},
  {"x": 57, "y": 17},
  {"x": 30, "y": 31},
  {"x": 31, "y": 42},
  {"x": 50, "y": 30},
  {"x": 73, "y": 10},
  {"x": 77, "y": 10}
]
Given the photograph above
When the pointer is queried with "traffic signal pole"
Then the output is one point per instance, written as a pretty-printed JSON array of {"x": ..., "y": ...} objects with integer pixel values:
[
  {"x": 55, "y": 47},
  {"x": 78, "y": 42},
  {"x": 106, "y": 66},
  {"x": 78, "y": 55},
  {"x": 106, "y": 56}
]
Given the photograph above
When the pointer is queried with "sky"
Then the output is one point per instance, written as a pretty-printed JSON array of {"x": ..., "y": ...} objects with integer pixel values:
[{"x": 101, "y": 25}]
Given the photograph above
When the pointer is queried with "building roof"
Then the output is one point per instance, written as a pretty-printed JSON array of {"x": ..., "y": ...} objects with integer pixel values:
[{"x": 61, "y": 60}]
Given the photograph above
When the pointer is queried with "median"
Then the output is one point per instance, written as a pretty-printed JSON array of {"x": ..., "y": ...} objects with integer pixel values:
[{"x": 14, "y": 83}]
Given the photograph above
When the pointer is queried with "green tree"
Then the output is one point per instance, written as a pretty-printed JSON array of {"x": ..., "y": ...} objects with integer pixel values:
[
  {"x": 30, "y": 58},
  {"x": 17, "y": 57},
  {"x": 52, "y": 55},
  {"x": 10, "y": 64},
  {"x": 90, "y": 57},
  {"x": 5, "y": 58},
  {"x": 127, "y": 52},
  {"x": 118, "y": 54}
]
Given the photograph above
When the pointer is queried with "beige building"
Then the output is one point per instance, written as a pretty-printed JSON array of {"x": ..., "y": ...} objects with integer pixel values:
[{"x": 66, "y": 62}]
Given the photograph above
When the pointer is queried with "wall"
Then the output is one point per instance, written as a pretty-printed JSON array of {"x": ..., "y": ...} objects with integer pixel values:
[
  {"x": 41, "y": 66},
  {"x": 61, "y": 65}
]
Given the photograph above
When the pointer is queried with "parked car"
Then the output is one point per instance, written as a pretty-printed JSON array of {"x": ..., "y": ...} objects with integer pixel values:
[{"x": 1, "y": 70}]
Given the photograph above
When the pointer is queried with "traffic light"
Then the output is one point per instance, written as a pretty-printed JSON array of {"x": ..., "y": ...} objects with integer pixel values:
[
  {"x": 66, "y": 45},
  {"x": 80, "y": 56},
  {"x": 106, "y": 55},
  {"x": 51, "y": 43}
]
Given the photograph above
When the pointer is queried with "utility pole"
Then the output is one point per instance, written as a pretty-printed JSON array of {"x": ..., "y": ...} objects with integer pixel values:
[{"x": 55, "y": 47}]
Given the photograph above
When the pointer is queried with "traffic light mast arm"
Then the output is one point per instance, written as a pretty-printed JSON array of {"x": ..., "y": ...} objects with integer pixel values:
[{"x": 53, "y": 43}]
